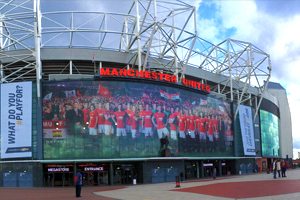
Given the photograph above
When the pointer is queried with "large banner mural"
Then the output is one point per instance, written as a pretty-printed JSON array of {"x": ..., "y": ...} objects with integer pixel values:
[
  {"x": 16, "y": 115},
  {"x": 118, "y": 119}
]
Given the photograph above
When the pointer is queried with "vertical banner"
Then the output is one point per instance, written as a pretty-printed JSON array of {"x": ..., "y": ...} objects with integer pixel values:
[
  {"x": 16, "y": 115},
  {"x": 247, "y": 130}
]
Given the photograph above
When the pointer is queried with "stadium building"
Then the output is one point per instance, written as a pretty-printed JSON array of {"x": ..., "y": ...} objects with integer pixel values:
[{"x": 132, "y": 94}]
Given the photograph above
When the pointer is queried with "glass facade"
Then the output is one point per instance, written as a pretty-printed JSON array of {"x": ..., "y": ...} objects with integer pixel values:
[{"x": 269, "y": 124}]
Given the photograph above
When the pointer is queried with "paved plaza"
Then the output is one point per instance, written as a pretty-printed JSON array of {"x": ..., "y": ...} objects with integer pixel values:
[{"x": 257, "y": 186}]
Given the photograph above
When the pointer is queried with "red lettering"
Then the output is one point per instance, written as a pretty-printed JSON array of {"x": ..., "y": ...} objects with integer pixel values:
[
  {"x": 173, "y": 79},
  {"x": 194, "y": 84},
  {"x": 188, "y": 83},
  {"x": 184, "y": 81},
  {"x": 199, "y": 85},
  {"x": 168, "y": 77},
  {"x": 123, "y": 72},
  {"x": 154, "y": 75},
  {"x": 115, "y": 72},
  {"x": 130, "y": 72},
  {"x": 147, "y": 74},
  {"x": 207, "y": 87},
  {"x": 104, "y": 72},
  {"x": 139, "y": 74},
  {"x": 161, "y": 76}
]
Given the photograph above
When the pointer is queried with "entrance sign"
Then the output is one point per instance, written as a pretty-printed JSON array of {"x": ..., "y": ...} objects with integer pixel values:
[{"x": 93, "y": 169}]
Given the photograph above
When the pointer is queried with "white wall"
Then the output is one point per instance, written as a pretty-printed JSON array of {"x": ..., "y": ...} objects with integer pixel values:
[{"x": 285, "y": 123}]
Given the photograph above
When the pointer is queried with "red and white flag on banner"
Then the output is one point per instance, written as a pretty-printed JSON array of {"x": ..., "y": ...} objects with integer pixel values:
[
  {"x": 103, "y": 91},
  {"x": 169, "y": 96},
  {"x": 70, "y": 93}
]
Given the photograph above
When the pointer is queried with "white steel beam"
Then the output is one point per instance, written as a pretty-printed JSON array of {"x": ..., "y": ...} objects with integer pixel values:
[{"x": 37, "y": 42}]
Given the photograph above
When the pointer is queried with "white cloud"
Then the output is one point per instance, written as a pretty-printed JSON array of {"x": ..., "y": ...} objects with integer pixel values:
[
  {"x": 230, "y": 14},
  {"x": 239, "y": 14},
  {"x": 295, "y": 153},
  {"x": 208, "y": 29},
  {"x": 287, "y": 37}
]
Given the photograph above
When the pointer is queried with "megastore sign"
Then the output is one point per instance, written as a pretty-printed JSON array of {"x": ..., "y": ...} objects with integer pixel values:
[{"x": 152, "y": 75}]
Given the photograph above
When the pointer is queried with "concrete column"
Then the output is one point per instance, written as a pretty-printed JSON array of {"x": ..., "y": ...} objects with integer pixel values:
[
  {"x": 220, "y": 167},
  {"x": 201, "y": 169},
  {"x": 198, "y": 170},
  {"x": 111, "y": 174}
]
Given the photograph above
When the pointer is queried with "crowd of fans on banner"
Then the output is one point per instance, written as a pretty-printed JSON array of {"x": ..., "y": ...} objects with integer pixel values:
[{"x": 189, "y": 119}]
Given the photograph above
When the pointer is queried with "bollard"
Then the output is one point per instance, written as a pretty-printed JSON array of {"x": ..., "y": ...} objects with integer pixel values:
[{"x": 177, "y": 181}]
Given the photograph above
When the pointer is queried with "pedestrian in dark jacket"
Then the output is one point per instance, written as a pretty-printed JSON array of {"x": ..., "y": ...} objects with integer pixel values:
[
  {"x": 78, "y": 183},
  {"x": 283, "y": 168}
]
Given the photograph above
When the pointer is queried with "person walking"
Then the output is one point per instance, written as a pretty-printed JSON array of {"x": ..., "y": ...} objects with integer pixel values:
[
  {"x": 214, "y": 173},
  {"x": 78, "y": 183},
  {"x": 283, "y": 168},
  {"x": 278, "y": 167},
  {"x": 274, "y": 169}
]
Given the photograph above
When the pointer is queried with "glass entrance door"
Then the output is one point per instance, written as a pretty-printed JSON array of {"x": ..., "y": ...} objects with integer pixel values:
[{"x": 124, "y": 173}]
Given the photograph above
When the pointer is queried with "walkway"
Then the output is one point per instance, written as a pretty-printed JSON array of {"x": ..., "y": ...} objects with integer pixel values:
[{"x": 257, "y": 186}]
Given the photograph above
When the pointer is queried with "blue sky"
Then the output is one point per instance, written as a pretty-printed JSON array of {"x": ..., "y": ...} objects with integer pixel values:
[{"x": 209, "y": 11}]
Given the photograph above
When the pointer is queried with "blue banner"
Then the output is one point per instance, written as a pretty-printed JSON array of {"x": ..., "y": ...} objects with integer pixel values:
[
  {"x": 247, "y": 131},
  {"x": 16, "y": 112}
]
